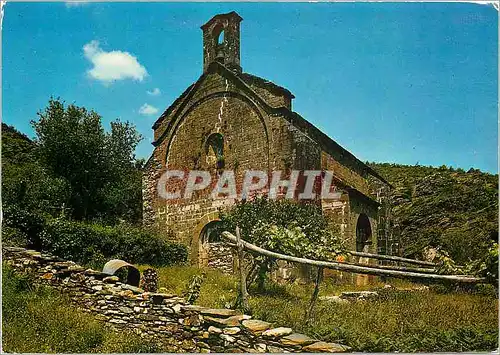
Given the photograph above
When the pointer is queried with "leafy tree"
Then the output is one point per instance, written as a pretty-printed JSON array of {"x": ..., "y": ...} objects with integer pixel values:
[
  {"x": 29, "y": 192},
  {"x": 98, "y": 166}
]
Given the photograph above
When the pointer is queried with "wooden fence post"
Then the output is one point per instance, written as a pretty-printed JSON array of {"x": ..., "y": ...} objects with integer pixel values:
[{"x": 241, "y": 266}]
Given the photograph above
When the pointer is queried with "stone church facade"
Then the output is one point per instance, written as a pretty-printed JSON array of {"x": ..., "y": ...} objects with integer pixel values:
[{"x": 229, "y": 119}]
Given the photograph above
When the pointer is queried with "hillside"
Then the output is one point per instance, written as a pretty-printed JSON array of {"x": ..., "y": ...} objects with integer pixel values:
[
  {"x": 16, "y": 146},
  {"x": 453, "y": 209}
]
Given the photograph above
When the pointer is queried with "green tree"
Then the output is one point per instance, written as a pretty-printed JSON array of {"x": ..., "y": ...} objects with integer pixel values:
[{"x": 99, "y": 166}]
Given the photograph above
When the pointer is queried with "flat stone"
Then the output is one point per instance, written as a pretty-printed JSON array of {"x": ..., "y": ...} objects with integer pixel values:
[
  {"x": 117, "y": 321},
  {"x": 214, "y": 330},
  {"x": 222, "y": 312},
  {"x": 334, "y": 299},
  {"x": 232, "y": 321},
  {"x": 358, "y": 294},
  {"x": 157, "y": 298},
  {"x": 232, "y": 330},
  {"x": 97, "y": 288},
  {"x": 227, "y": 338},
  {"x": 125, "y": 310},
  {"x": 274, "y": 349},
  {"x": 94, "y": 273},
  {"x": 261, "y": 348},
  {"x": 33, "y": 253},
  {"x": 76, "y": 268},
  {"x": 177, "y": 308},
  {"x": 132, "y": 288},
  {"x": 111, "y": 279},
  {"x": 256, "y": 326},
  {"x": 323, "y": 347},
  {"x": 47, "y": 276},
  {"x": 297, "y": 339},
  {"x": 277, "y": 332},
  {"x": 126, "y": 294},
  {"x": 14, "y": 249}
]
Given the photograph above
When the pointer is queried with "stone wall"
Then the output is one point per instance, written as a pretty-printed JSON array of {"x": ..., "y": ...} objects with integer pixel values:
[
  {"x": 221, "y": 257},
  {"x": 161, "y": 316}
]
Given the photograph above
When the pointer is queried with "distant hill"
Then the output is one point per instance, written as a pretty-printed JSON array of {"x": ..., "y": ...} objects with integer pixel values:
[
  {"x": 16, "y": 147},
  {"x": 452, "y": 209}
]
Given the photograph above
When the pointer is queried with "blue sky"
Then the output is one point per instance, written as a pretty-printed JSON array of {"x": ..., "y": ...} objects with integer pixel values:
[{"x": 391, "y": 82}]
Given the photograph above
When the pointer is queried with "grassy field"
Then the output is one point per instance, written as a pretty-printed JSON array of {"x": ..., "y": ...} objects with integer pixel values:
[
  {"x": 398, "y": 321},
  {"x": 41, "y": 320},
  {"x": 38, "y": 319}
]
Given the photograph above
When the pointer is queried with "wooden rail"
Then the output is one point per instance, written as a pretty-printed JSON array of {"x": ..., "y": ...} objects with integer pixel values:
[
  {"x": 355, "y": 268},
  {"x": 392, "y": 258}
]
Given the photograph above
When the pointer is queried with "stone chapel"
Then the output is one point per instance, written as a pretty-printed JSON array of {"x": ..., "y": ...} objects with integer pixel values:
[{"x": 229, "y": 119}]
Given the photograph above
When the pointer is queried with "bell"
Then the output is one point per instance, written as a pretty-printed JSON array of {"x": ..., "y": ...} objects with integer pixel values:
[{"x": 220, "y": 54}]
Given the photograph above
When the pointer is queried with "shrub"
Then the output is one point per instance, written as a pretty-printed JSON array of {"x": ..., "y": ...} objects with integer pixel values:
[
  {"x": 23, "y": 227},
  {"x": 94, "y": 243},
  {"x": 284, "y": 226}
]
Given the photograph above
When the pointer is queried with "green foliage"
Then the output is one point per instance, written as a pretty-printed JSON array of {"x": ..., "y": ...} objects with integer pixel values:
[
  {"x": 22, "y": 227},
  {"x": 486, "y": 267},
  {"x": 94, "y": 243},
  {"x": 25, "y": 182},
  {"x": 284, "y": 226},
  {"x": 99, "y": 167},
  {"x": 38, "y": 320},
  {"x": 193, "y": 290},
  {"x": 453, "y": 210}
]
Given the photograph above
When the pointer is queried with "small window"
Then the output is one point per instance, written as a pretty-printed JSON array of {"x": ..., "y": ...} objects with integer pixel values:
[
  {"x": 214, "y": 148},
  {"x": 218, "y": 34},
  {"x": 220, "y": 38}
]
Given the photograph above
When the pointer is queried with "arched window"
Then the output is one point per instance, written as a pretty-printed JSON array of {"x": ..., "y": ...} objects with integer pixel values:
[
  {"x": 363, "y": 232},
  {"x": 214, "y": 149},
  {"x": 218, "y": 37},
  {"x": 218, "y": 34}
]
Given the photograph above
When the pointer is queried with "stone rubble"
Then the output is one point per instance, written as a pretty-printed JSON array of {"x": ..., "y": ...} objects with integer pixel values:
[{"x": 160, "y": 316}]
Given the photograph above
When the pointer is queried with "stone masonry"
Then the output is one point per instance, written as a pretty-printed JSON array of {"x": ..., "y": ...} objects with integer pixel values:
[
  {"x": 229, "y": 119},
  {"x": 160, "y": 316}
]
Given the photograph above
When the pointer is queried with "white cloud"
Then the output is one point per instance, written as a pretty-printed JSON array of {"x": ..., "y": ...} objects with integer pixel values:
[
  {"x": 112, "y": 66},
  {"x": 147, "y": 109},
  {"x": 154, "y": 92}
]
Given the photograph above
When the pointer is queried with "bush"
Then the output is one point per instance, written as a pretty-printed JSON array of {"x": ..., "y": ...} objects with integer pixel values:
[
  {"x": 22, "y": 227},
  {"x": 284, "y": 226},
  {"x": 93, "y": 243}
]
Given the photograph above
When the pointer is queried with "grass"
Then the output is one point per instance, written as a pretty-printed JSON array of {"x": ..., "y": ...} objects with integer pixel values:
[
  {"x": 424, "y": 321},
  {"x": 39, "y": 319}
]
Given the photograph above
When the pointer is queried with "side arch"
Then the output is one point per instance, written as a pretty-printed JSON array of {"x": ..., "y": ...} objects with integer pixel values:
[
  {"x": 197, "y": 232},
  {"x": 363, "y": 233}
]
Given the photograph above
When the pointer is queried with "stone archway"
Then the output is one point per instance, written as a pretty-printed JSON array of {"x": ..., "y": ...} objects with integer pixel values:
[
  {"x": 363, "y": 242},
  {"x": 197, "y": 234},
  {"x": 363, "y": 233},
  {"x": 209, "y": 236}
]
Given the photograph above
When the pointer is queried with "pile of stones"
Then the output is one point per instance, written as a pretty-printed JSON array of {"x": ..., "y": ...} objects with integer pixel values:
[{"x": 160, "y": 316}]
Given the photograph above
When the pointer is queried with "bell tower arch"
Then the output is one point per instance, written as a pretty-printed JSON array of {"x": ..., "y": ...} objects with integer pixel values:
[{"x": 221, "y": 41}]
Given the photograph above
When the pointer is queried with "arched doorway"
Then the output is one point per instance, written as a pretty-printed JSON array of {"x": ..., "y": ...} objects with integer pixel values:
[
  {"x": 363, "y": 242},
  {"x": 213, "y": 251},
  {"x": 209, "y": 234},
  {"x": 363, "y": 233}
]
